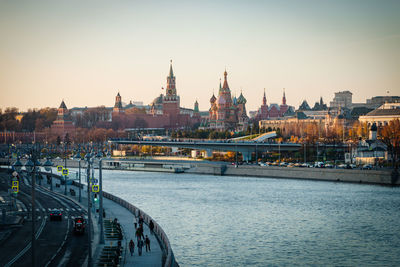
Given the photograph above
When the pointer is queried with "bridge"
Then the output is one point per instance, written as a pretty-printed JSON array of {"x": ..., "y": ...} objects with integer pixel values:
[{"x": 244, "y": 147}]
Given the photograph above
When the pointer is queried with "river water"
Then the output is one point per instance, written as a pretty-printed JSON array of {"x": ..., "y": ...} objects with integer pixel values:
[{"x": 239, "y": 221}]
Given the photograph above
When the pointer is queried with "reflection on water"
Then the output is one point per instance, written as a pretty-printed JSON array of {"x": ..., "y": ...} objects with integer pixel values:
[{"x": 237, "y": 221}]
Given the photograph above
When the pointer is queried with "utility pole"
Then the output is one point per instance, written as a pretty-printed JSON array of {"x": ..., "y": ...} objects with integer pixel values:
[{"x": 90, "y": 263}]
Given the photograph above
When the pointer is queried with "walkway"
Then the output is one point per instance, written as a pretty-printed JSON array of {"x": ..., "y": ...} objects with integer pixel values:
[{"x": 126, "y": 219}]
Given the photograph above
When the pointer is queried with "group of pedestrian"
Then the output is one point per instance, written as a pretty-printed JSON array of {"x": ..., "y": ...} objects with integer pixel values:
[{"x": 141, "y": 240}]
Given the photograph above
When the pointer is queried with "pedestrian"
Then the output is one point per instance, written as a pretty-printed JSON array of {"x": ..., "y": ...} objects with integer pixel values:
[
  {"x": 147, "y": 242},
  {"x": 151, "y": 226},
  {"x": 131, "y": 247},
  {"x": 141, "y": 231},
  {"x": 140, "y": 246},
  {"x": 138, "y": 234}
]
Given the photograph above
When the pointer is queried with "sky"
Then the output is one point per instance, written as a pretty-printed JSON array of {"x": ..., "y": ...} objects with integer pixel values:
[{"x": 85, "y": 52}]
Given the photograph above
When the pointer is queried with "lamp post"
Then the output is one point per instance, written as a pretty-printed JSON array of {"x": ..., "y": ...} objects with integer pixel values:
[
  {"x": 90, "y": 263},
  {"x": 78, "y": 157},
  {"x": 99, "y": 156},
  {"x": 30, "y": 166},
  {"x": 17, "y": 166}
]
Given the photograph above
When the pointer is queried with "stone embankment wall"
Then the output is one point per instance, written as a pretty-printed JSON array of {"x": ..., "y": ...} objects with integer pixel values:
[
  {"x": 383, "y": 176},
  {"x": 343, "y": 175}
]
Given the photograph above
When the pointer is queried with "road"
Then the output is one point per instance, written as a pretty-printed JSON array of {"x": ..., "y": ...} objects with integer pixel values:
[{"x": 56, "y": 244}]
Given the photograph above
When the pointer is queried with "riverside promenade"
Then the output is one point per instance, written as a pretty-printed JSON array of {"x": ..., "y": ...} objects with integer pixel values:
[{"x": 158, "y": 256}]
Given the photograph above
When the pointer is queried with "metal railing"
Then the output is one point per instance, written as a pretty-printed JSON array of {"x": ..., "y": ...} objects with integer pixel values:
[{"x": 169, "y": 259}]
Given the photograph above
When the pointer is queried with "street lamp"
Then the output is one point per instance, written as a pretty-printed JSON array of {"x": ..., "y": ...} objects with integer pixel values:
[
  {"x": 78, "y": 157},
  {"x": 88, "y": 158},
  {"x": 47, "y": 166},
  {"x": 30, "y": 166},
  {"x": 99, "y": 156}
]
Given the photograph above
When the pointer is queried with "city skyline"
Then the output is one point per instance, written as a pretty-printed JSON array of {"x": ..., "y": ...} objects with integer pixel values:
[{"x": 87, "y": 53}]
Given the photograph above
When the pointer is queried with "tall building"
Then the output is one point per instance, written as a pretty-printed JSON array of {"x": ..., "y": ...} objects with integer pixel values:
[
  {"x": 227, "y": 112},
  {"x": 342, "y": 100},
  {"x": 171, "y": 100}
]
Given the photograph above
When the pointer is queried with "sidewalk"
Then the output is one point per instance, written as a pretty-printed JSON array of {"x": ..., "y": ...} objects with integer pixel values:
[{"x": 126, "y": 219}]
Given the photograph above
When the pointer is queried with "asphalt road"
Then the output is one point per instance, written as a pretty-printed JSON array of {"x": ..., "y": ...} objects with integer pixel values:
[{"x": 56, "y": 244}]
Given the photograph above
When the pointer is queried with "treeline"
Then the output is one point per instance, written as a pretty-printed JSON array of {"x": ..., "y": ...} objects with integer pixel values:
[{"x": 32, "y": 120}]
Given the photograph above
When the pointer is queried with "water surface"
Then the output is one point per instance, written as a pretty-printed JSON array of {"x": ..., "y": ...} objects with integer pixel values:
[{"x": 238, "y": 221}]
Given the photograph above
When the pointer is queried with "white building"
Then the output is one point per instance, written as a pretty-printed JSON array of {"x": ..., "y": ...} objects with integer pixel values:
[{"x": 382, "y": 115}]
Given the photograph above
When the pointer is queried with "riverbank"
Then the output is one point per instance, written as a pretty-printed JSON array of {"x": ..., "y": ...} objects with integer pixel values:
[{"x": 380, "y": 177}]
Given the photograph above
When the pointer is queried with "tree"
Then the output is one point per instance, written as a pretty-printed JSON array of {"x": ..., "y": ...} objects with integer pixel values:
[{"x": 390, "y": 135}]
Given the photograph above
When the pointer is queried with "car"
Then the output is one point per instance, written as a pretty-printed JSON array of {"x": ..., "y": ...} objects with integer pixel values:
[
  {"x": 79, "y": 225},
  {"x": 319, "y": 165},
  {"x": 306, "y": 165},
  {"x": 55, "y": 214},
  {"x": 367, "y": 167},
  {"x": 328, "y": 165}
]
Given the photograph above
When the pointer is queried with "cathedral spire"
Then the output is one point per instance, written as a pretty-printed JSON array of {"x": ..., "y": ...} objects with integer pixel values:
[
  {"x": 264, "y": 99},
  {"x": 225, "y": 86},
  {"x": 284, "y": 97},
  {"x": 171, "y": 72}
]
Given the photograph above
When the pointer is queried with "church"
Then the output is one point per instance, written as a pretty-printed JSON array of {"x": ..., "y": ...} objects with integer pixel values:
[{"x": 227, "y": 112}]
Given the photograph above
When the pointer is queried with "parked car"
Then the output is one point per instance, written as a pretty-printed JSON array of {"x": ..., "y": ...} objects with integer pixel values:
[
  {"x": 319, "y": 165},
  {"x": 55, "y": 214},
  {"x": 328, "y": 165},
  {"x": 367, "y": 167}
]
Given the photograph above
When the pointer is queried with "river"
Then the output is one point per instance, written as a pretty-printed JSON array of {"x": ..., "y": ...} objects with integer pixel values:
[{"x": 241, "y": 221}]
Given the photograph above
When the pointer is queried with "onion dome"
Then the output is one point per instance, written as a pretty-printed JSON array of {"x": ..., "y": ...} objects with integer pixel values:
[
  {"x": 234, "y": 100},
  {"x": 158, "y": 100},
  {"x": 212, "y": 99},
  {"x": 241, "y": 99}
]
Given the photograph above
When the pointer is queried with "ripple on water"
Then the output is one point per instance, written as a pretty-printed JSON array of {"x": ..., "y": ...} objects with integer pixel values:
[{"x": 234, "y": 221}]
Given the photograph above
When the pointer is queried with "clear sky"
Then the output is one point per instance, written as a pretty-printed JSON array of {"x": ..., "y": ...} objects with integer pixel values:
[{"x": 86, "y": 51}]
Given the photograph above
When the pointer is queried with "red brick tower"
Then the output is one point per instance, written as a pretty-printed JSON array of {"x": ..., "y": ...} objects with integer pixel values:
[
  {"x": 171, "y": 100},
  {"x": 118, "y": 104},
  {"x": 63, "y": 123}
]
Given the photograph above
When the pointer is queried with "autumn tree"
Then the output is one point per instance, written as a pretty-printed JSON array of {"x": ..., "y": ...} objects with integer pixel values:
[{"x": 390, "y": 135}]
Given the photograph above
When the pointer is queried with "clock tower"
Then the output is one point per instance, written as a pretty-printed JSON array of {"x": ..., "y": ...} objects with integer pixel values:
[{"x": 171, "y": 100}]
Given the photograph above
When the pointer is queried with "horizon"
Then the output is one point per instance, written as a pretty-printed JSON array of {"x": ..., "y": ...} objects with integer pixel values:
[{"x": 85, "y": 53}]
